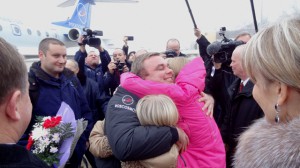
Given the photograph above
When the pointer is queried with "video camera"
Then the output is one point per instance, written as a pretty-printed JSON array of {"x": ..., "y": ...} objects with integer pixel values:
[
  {"x": 226, "y": 51},
  {"x": 223, "y": 50},
  {"x": 89, "y": 37}
]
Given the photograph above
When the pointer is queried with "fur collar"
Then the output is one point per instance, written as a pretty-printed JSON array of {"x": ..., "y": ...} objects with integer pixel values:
[{"x": 269, "y": 145}]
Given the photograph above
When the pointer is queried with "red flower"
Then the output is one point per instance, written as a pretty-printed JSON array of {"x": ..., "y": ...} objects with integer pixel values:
[
  {"x": 52, "y": 122},
  {"x": 30, "y": 142}
]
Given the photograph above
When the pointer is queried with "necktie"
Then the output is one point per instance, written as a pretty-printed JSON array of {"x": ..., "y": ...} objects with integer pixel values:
[{"x": 241, "y": 86}]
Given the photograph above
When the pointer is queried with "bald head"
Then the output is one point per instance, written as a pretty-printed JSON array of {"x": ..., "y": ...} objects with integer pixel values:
[
  {"x": 173, "y": 44},
  {"x": 119, "y": 55},
  {"x": 72, "y": 65},
  {"x": 236, "y": 62}
]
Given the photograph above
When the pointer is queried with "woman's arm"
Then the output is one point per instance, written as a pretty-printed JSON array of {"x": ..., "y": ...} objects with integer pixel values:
[{"x": 99, "y": 145}]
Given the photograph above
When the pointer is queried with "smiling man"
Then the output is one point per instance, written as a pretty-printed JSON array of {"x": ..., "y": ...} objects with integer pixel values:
[
  {"x": 50, "y": 85},
  {"x": 128, "y": 139}
]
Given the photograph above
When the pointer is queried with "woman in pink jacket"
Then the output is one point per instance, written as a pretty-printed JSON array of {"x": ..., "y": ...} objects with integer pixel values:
[{"x": 206, "y": 148}]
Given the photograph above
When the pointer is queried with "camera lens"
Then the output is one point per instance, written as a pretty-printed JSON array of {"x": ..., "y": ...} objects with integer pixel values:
[{"x": 220, "y": 57}]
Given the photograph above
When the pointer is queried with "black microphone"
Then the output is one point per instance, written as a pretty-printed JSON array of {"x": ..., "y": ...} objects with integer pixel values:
[{"x": 214, "y": 48}]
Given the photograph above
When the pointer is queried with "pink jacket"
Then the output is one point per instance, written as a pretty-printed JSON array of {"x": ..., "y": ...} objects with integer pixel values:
[{"x": 206, "y": 148}]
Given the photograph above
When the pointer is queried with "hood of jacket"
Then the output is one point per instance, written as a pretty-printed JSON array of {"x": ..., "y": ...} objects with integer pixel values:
[{"x": 269, "y": 145}]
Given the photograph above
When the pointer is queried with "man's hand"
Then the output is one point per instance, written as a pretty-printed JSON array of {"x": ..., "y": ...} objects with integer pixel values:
[
  {"x": 111, "y": 67},
  {"x": 80, "y": 41},
  {"x": 125, "y": 68},
  {"x": 125, "y": 39},
  {"x": 100, "y": 48},
  {"x": 183, "y": 140},
  {"x": 197, "y": 33},
  {"x": 208, "y": 103}
]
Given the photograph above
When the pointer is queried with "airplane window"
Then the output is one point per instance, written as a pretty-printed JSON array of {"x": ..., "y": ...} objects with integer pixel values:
[
  {"x": 1, "y": 28},
  {"x": 29, "y": 31},
  {"x": 16, "y": 30},
  {"x": 38, "y": 33},
  {"x": 47, "y": 34},
  {"x": 55, "y": 35}
]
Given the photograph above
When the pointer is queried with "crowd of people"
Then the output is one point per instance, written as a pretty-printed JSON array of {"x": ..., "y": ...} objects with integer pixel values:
[{"x": 235, "y": 105}]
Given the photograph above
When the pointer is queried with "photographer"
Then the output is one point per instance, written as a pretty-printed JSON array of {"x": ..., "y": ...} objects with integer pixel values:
[
  {"x": 206, "y": 50},
  {"x": 90, "y": 63},
  {"x": 118, "y": 66},
  {"x": 203, "y": 43},
  {"x": 173, "y": 48}
]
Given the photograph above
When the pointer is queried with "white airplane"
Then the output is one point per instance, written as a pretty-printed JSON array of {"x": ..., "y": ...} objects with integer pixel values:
[{"x": 26, "y": 38}]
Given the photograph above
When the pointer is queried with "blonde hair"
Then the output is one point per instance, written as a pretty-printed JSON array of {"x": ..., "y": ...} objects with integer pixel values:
[
  {"x": 157, "y": 110},
  {"x": 177, "y": 63},
  {"x": 274, "y": 52}
]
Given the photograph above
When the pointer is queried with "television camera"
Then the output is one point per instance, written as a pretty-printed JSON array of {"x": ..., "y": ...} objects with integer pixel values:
[
  {"x": 89, "y": 36},
  {"x": 222, "y": 51}
]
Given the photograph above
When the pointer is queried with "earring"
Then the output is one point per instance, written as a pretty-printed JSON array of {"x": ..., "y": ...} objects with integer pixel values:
[{"x": 277, "y": 119}]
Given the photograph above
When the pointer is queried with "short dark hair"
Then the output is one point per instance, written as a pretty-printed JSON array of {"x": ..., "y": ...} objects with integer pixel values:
[
  {"x": 44, "y": 44},
  {"x": 13, "y": 70}
]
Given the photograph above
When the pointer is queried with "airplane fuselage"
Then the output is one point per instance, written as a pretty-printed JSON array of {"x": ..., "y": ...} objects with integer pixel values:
[{"x": 25, "y": 37}]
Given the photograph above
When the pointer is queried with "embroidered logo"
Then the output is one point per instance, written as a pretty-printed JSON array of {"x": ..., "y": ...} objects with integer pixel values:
[
  {"x": 82, "y": 13},
  {"x": 128, "y": 100}
]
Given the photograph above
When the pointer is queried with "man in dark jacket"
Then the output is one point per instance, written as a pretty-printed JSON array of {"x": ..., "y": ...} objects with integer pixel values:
[
  {"x": 118, "y": 66},
  {"x": 97, "y": 100},
  {"x": 54, "y": 84},
  {"x": 15, "y": 109},
  {"x": 93, "y": 67},
  {"x": 240, "y": 107},
  {"x": 203, "y": 44},
  {"x": 127, "y": 138}
]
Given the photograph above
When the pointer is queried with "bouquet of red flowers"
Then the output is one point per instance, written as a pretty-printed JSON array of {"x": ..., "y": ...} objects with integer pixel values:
[
  {"x": 47, "y": 137},
  {"x": 53, "y": 139}
]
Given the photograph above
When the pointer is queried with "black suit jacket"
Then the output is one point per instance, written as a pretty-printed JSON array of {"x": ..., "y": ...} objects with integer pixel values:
[{"x": 16, "y": 156}]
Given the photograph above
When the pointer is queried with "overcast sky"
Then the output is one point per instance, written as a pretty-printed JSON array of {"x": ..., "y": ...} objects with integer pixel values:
[{"x": 153, "y": 22}]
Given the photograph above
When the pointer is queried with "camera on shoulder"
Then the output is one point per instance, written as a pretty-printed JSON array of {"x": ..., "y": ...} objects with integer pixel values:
[
  {"x": 226, "y": 51},
  {"x": 222, "y": 50}
]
